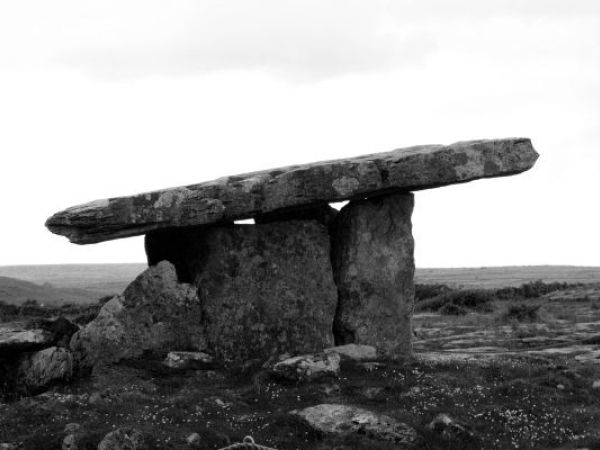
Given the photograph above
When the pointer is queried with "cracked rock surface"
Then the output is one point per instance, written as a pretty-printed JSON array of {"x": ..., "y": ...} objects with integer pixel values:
[{"x": 253, "y": 194}]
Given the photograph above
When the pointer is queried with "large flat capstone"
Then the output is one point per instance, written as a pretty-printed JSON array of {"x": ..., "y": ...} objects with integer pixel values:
[{"x": 248, "y": 195}]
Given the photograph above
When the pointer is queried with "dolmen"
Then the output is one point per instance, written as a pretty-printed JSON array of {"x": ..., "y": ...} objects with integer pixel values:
[{"x": 302, "y": 278}]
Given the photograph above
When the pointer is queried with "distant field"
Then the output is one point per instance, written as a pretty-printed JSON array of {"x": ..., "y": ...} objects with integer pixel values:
[
  {"x": 14, "y": 291},
  {"x": 100, "y": 278},
  {"x": 88, "y": 282},
  {"x": 495, "y": 277}
]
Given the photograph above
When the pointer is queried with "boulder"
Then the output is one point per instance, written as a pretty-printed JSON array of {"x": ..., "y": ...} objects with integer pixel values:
[
  {"x": 16, "y": 338},
  {"x": 155, "y": 313},
  {"x": 308, "y": 367},
  {"x": 347, "y": 419},
  {"x": 39, "y": 369},
  {"x": 62, "y": 329},
  {"x": 265, "y": 289},
  {"x": 254, "y": 194},
  {"x": 123, "y": 439},
  {"x": 373, "y": 266}
]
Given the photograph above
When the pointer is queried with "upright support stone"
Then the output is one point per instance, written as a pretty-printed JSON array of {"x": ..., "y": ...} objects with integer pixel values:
[
  {"x": 373, "y": 265},
  {"x": 265, "y": 289}
]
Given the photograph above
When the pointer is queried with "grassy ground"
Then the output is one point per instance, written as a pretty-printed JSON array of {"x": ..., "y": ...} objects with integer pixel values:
[
  {"x": 496, "y": 277},
  {"x": 517, "y": 381},
  {"x": 508, "y": 403}
]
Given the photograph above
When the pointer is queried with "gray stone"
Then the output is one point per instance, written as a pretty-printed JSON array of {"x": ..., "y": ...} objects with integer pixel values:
[
  {"x": 188, "y": 360},
  {"x": 39, "y": 369},
  {"x": 8, "y": 446},
  {"x": 72, "y": 441},
  {"x": 193, "y": 439},
  {"x": 450, "y": 429},
  {"x": 17, "y": 338},
  {"x": 250, "y": 195},
  {"x": 308, "y": 367},
  {"x": 265, "y": 289},
  {"x": 61, "y": 328},
  {"x": 355, "y": 352},
  {"x": 123, "y": 439},
  {"x": 154, "y": 313},
  {"x": 347, "y": 419},
  {"x": 72, "y": 428},
  {"x": 373, "y": 266}
]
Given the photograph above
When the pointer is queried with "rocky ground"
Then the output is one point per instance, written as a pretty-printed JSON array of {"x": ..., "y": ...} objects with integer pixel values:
[{"x": 480, "y": 380}]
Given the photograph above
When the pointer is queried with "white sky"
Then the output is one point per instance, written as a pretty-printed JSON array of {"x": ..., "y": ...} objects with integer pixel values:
[{"x": 111, "y": 98}]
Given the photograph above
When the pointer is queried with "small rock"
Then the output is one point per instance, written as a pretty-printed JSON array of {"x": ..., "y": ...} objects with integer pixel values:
[
  {"x": 373, "y": 392},
  {"x": 72, "y": 428},
  {"x": 450, "y": 429},
  {"x": 122, "y": 439},
  {"x": 193, "y": 439},
  {"x": 188, "y": 360},
  {"x": 37, "y": 370},
  {"x": 222, "y": 404},
  {"x": 331, "y": 389},
  {"x": 71, "y": 442},
  {"x": 7, "y": 446},
  {"x": 355, "y": 352},
  {"x": 560, "y": 387},
  {"x": 596, "y": 384},
  {"x": 346, "y": 419},
  {"x": 371, "y": 366},
  {"x": 308, "y": 367},
  {"x": 16, "y": 338},
  {"x": 95, "y": 398}
]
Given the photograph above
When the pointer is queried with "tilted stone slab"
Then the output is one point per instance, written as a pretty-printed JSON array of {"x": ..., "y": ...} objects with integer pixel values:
[{"x": 248, "y": 195}]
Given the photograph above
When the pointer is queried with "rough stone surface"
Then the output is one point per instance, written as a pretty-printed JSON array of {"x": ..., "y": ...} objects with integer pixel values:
[
  {"x": 373, "y": 266},
  {"x": 61, "y": 328},
  {"x": 122, "y": 439},
  {"x": 188, "y": 360},
  {"x": 17, "y": 338},
  {"x": 249, "y": 195},
  {"x": 450, "y": 429},
  {"x": 154, "y": 313},
  {"x": 39, "y": 369},
  {"x": 193, "y": 439},
  {"x": 308, "y": 367},
  {"x": 265, "y": 289},
  {"x": 347, "y": 419},
  {"x": 355, "y": 352}
]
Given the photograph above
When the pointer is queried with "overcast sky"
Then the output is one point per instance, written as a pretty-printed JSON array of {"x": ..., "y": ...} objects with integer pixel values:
[{"x": 110, "y": 98}]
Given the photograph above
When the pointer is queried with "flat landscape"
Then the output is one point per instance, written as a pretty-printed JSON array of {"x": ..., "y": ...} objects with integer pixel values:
[
  {"x": 85, "y": 283},
  {"x": 515, "y": 365}
]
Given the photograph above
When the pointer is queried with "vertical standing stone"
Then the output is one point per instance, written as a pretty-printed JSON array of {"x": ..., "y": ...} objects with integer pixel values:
[
  {"x": 373, "y": 266},
  {"x": 265, "y": 289}
]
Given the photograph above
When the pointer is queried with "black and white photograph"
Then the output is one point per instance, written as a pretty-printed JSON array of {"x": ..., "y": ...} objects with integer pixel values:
[{"x": 299, "y": 224}]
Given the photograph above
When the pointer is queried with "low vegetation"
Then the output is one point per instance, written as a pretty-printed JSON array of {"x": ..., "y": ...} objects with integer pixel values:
[
  {"x": 31, "y": 309},
  {"x": 454, "y": 301}
]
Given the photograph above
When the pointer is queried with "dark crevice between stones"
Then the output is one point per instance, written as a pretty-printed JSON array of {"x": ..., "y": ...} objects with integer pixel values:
[{"x": 341, "y": 335}]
